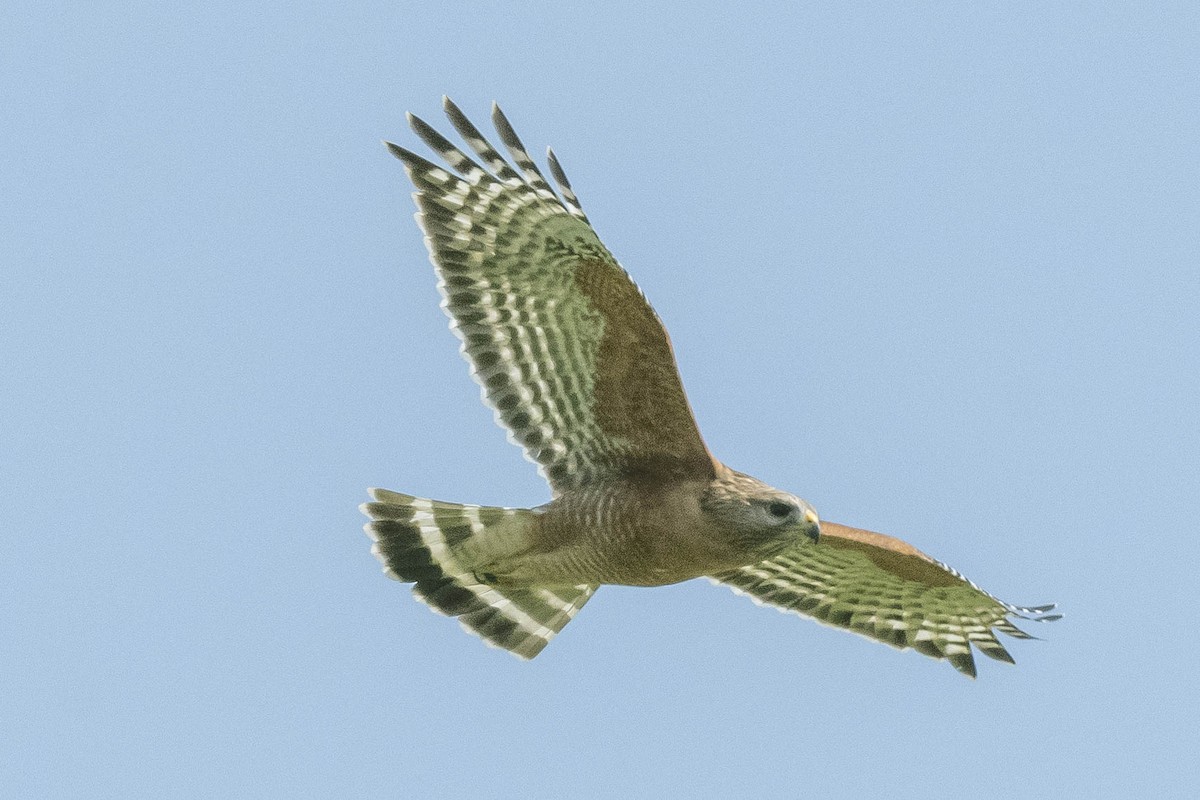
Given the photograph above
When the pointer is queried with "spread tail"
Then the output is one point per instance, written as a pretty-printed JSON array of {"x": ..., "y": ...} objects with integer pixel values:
[{"x": 436, "y": 546}]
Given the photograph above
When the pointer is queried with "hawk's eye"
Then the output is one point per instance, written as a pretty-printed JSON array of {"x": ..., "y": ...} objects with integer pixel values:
[{"x": 780, "y": 509}]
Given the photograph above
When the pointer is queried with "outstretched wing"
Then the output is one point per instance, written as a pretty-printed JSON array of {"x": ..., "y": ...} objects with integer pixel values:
[
  {"x": 568, "y": 353},
  {"x": 885, "y": 589}
]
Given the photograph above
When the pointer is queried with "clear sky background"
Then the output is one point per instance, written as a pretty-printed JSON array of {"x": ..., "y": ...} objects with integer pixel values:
[{"x": 932, "y": 266}]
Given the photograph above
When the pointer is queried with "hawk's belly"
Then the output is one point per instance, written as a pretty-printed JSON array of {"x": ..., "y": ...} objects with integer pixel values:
[{"x": 624, "y": 538}]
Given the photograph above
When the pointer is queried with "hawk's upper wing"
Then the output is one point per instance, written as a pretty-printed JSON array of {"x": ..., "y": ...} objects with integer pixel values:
[
  {"x": 885, "y": 589},
  {"x": 568, "y": 352}
]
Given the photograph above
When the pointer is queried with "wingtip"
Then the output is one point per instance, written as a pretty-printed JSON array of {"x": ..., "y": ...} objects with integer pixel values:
[
  {"x": 1037, "y": 613},
  {"x": 417, "y": 124},
  {"x": 500, "y": 120},
  {"x": 410, "y": 159},
  {"x": 1002, "y": 656},
  {"x": 964, "y": 663}
]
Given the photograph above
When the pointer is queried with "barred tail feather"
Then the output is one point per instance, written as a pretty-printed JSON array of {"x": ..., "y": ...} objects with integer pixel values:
[{"x": 431, "y": 544}]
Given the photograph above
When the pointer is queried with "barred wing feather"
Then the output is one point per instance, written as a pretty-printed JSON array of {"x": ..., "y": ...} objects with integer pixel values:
[
  {"x": 569, "y": 354},
  {"x": 885, "y": 589}
]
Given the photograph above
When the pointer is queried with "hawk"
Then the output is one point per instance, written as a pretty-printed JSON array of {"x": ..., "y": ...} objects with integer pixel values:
[{"x": 578, "y": 368}]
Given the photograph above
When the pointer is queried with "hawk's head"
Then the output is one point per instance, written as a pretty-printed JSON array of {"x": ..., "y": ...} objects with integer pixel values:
[{"x": 760, "y": 517}]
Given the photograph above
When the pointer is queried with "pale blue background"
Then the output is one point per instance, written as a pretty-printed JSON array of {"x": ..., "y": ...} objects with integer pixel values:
[{"x": 934, "y": 268}]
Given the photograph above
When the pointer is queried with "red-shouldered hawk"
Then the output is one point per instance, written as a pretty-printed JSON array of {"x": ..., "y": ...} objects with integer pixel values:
[{"x": 579, "y": 370}]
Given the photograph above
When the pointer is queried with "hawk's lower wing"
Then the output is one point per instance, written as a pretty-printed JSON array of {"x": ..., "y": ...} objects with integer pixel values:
[{"x": 887, "y": 590}]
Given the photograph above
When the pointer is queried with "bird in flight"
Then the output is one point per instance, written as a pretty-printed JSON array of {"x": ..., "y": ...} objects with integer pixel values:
[{"x": 578, "y": 368}]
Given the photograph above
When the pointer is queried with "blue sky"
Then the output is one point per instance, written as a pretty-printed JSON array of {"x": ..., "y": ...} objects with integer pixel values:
[{"x": 934, "y": 268}]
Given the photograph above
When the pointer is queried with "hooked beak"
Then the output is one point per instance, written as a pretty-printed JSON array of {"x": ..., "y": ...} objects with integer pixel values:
[{"x": 813, "y": 529}]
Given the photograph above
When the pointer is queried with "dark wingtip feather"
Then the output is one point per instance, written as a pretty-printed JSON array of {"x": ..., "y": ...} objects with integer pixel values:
[
  {"x": 1034, "y": 613},
  {"x": 423, "y": 129},
  {"x": 399, "y": 152},
  {"x": 1000, "y": 654},
  {"x": 1005, "y": 626},
  {"x": 454, "y": 113},
  {"x": 413, "y": 163},
  {"x": 991, "y": 648},
  {"x": 520, "y": 154},
  {"x": 964, "y": 663},
  {"x": 459, "y": 120},
  {"x": 556, "y": 169}
]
